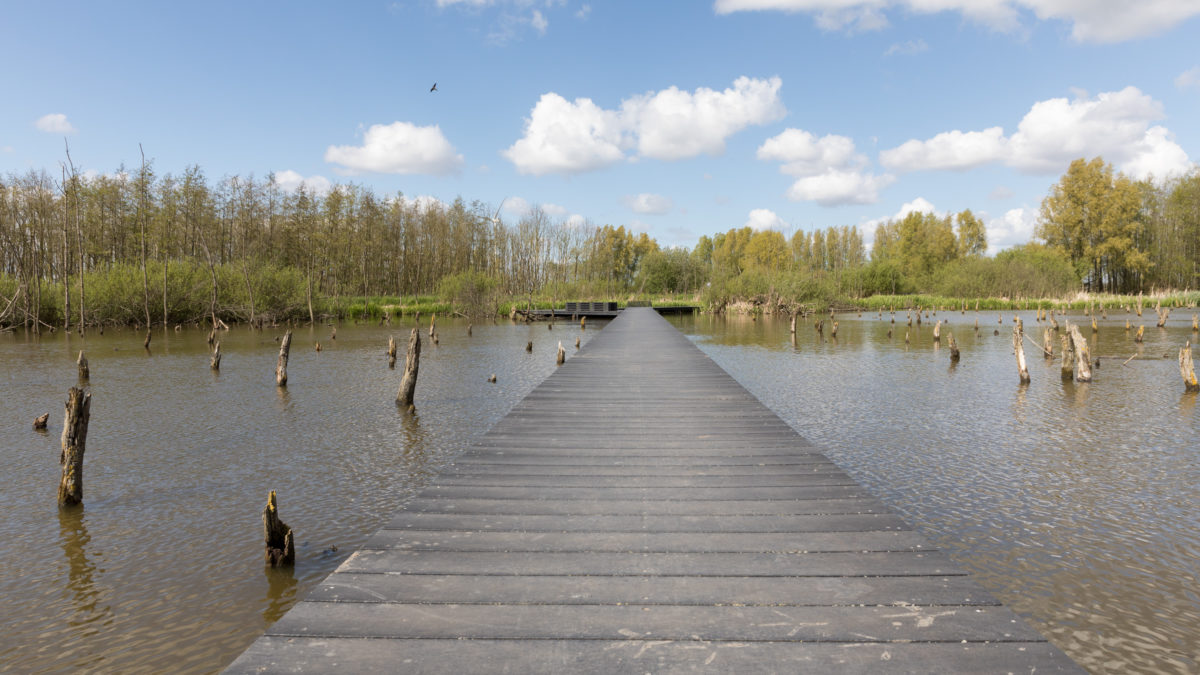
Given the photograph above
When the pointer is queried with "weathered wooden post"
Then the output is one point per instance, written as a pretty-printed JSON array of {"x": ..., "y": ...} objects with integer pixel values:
[
  {"x": 1195, "y": 323},
  {"x": 1083, "y": 361},
  {"x": 562, "y": 354},
  {"x": 317, "y": 346},
  {"x": 432, "y": 324},
  {"x": 1067, "y": 367},
  {"x": 1019, "y": 348},
  {"x": 74, "y": 441},
  {"x": 1047, "y": 345},
  {"x": 468, "y": 330},
  {"x": 408, "y": 383},
  {"x": 1095, "y": 328},
  {"x": 1140, "y": 335},
  {"x": 953, "y": 347},
  {"x": 214, "y": 361},
  {"x": 149, "y": 334},
  {"x": 280, "y": 544},
  {"x": 1163, "y": 313},
  {"x": 1053, "y": 321},
  {"x": 1187, "y": 370},
  {"x": 84, "y": 373},
  {"x": 576, "y": 343},
  {"x": 583, "y": 323},
  {"x": 793, "y": 330},
  {"x": 833, "y": 330},
  {"x": 937, "y": 332},
  {"x": 285, "y": 345},
  {"x": 819, "y": 326}
]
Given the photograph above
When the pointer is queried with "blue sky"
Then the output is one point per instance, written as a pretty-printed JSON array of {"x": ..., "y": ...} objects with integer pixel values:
[{"x": 678, "y": 119}]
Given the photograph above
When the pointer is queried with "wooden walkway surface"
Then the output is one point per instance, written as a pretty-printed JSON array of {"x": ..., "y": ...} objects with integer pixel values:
[{"x": 641, "y": 512}]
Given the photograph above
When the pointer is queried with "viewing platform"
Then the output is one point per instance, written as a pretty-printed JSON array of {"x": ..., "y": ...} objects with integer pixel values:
[
  {"x": 599, "y": 310},
  {"x": 639, "y": 511}
]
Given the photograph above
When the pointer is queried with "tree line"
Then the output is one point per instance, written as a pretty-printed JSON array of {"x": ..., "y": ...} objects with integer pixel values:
[{"x": 136, "y": 246}]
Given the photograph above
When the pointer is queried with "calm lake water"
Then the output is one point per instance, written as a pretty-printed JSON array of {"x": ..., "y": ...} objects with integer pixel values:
[
  {"x": 162, "y": 570},
  {"x": 1076, "y": 504}
]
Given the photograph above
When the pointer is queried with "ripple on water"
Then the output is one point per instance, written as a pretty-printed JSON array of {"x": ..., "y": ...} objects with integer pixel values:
[
  {"x": 1074, "y": 503},
  {"x": 162, "y": 569}
]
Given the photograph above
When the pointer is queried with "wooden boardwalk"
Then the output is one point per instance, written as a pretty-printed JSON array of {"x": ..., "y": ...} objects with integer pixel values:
[{"x": 641, "y": 512}]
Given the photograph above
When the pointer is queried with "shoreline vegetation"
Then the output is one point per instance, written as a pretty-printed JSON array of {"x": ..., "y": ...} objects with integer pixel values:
[{"x": 137, "y": 248}]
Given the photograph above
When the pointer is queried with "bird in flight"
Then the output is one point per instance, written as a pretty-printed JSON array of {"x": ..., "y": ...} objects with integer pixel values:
[{"x": 434, "y": 87}]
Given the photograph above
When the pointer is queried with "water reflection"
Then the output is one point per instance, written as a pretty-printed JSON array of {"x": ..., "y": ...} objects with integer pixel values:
[
  {"x": 74, "y": 538},
  {"x": 280, "y": 593}
]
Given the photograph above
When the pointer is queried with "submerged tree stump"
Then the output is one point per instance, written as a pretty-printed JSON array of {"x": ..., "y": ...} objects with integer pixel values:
[
  {"x": 529, "y": 346},
  {"x": 492, "y": 378},
  {"x": 583, "y": 323},
  {"x": 793, "y": 324},
  {"x": 1047, "y": 345},
  {"x": 285, "y": 345},
  {"x": 833, "y": 330},
  {"x": 1163, "y": 314},
  {"x": 1187, "y": 370},
  {"x": 146, "y": 343},
  {"x": 1141, "y": 333},
  {"x": 576, "y": 343},
  {"x": 39, "y": 424},
  {"x": 562, "y": 355},
  {"x": 1083, "y": 360},
  {"x": 214, "y": 361},
  {"x": 412, "y": 362},
  {"x": 937, "y": 332},
  {"x": 468, "y": 330},
  {"x": 84, "y": 372},
  {"x": 953, "y": 347},
  {"x": 74, "y": 441},
  {"x": 433, "y": 324},
  {"x": 1019, "y": 348},
  {"x": 280, "y": 545},
  {"x": 391, "y": 351},
  {"x": 1195, "y": 323}
]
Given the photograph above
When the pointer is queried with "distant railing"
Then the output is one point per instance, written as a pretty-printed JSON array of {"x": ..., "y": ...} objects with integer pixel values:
[{"x": 591, "y": 306}]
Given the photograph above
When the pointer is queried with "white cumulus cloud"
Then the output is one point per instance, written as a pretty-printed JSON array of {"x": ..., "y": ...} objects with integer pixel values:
[
  {"x": 764, "y": 219},
  {"x": 399, "y": 147},
  {"x": 291, "y": 181},
  {"x": 949, "y": 150},
  {"x": 648, "y": 203},
  {"x": 1189, "y": 79},
  {"x": 564, "y": 136},
  {"x": 829, "y": 170},
  {"x": 838, "y": 188},
  {"x": 1100, "y": 21},
  {"x": 567, "y": 137},
  {"x": 675, "y": 124},
  {"x": 1015, "y": 227},
  {"x": 1114, "y": 125},
  {"x": 54, "y": 123}
]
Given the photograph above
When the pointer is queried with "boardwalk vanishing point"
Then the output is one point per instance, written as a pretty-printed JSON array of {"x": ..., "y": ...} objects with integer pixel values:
[{"x": 641, "y": 512}]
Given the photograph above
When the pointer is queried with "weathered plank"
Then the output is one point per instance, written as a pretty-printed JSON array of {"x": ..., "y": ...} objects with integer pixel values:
[{"x": 640, "y": 511}]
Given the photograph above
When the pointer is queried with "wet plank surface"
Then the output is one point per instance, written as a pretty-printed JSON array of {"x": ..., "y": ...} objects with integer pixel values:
[{"x": 641, "y": 512}]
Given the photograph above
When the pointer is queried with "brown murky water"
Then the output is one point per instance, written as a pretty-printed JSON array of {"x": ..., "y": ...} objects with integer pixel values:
[
  {"x": 1074, "y": 503},
  {"x": 162, "y": 569},
  {"x": 1077, "y": 504}
]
